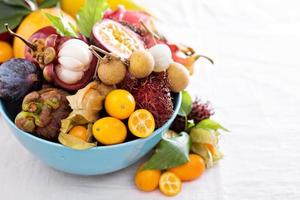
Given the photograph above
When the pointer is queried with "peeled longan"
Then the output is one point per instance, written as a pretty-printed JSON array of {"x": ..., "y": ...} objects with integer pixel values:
[
  {"x": 111, "y": 71},
  {"x": 141, "y": 64},
  {"x": 178, "y": 77}
]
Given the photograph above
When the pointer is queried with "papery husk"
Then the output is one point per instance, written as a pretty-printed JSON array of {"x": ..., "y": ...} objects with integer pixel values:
[
  {"x": 74, "y": 142},
  {"x": 88, "y": 101},
  {"x": 210, "y": 158},
  {"x": 201, "y": 139},
  {"x": 199, "y": 135}
]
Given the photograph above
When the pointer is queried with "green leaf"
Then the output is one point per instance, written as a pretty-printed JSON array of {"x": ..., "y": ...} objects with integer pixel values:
[
  {"x": 210, "y": 124},
  {"x": 15, "y": 3},
  {"x": 90, "y": 13},
  {"x": 12, "y": 21},
  {"x": 61, "y": 25},
  {"x": 12, "y": 15},
  {"x": 171, "y": 152},
  {"x": 48, "y": 3},
  {"x": 190, "y": 124},
  {"x": 186, "y": 104}
]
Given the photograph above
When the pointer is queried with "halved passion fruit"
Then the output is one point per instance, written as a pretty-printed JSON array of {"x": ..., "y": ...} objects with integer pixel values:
[{"x": 116, "y": 38}]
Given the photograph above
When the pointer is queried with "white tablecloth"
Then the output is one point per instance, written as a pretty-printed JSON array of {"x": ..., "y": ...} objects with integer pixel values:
[{"x": 254, "y": 87}]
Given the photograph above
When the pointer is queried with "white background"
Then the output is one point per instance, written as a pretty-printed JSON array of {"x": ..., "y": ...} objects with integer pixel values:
[{"x": 254, "y": 87}]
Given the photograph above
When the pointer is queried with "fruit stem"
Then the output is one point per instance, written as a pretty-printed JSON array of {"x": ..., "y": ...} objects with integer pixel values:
[
  {"x": 95, "y": 49},
  {"x": 29, "y": 44},
  {"x": 188, "y": 51},
  {"x": 207, "y": 58},
  {"x": 149, "y": 30}
]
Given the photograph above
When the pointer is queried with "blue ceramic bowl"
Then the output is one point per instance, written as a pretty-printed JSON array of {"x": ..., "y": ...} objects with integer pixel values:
[{"x": 94, "y": 161}]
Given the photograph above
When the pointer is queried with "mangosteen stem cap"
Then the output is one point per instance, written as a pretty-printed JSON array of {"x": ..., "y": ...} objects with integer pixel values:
[{"x": 29, "y": 44}]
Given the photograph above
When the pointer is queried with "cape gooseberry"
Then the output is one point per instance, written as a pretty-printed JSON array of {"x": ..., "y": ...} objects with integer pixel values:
[
  {"x": 141, "y": 64},
  {"x": 111, "y": 70},
  {"x": 178, "y": 77}
]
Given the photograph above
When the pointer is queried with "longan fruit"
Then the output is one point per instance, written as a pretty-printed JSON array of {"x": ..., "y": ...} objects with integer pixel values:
[
  {"x": 111, "y": 71},
  {"x": 141, "y": 64},
  {"x": 178, "y": 77}
]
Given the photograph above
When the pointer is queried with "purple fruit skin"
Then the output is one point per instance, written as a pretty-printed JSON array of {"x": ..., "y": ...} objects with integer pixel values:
[{"x": 17, "y": 78}]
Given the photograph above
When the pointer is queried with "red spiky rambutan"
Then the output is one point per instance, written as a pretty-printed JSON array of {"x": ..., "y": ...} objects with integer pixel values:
[
  {"x": 151, "y": 93},
  {"x": 199, "y": 112}
]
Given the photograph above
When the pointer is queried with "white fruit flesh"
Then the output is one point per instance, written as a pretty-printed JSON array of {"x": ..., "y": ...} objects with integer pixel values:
[
  {"x": 74, "y": 59},
  {"x": 71, "y": 64},
  {"x": 68, "y": 76},
  {"x": 162, "y": 57},
  {"x": 76, "y": 51}
]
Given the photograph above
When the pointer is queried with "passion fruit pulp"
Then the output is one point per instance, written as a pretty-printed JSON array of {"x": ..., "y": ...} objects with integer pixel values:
[{"x": 116, "y": 38}]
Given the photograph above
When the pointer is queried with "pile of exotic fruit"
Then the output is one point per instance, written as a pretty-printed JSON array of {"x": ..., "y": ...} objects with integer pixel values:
[{"x": 106, "y": 78}]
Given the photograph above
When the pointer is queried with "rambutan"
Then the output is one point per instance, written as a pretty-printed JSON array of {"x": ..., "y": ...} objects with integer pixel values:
[
  {"x": 151, "y": 93},
  {"x": 200, "y": 111}
]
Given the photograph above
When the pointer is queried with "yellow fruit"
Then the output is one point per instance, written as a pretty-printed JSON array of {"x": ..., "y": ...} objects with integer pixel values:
[
  {"x": 6, "y": 52},
  {"x": 109, "y": 130},
  {"x": 33, "y": 22},
  {"x": 169, "y": 184},
  {"x": 190, "y": 170},
  {"x": 71, "y": 7},
  {"x": 147, "y": 180},
  {"x": 119, "y": 104},
  {"x": 141, "y": 123},
  {"x": 141, "y": 64},
  {"x": 79, "y": 132},
  {"x": 178, "y": 77},
  {"x": 128, "y": 4}
]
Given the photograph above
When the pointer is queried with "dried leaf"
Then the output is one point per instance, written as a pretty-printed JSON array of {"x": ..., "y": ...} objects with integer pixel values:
[{"x": 74, "y": 142}]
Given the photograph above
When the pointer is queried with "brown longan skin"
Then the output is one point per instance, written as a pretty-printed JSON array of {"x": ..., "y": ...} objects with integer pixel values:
[
  {"x": 141, "y": 64},
  {"x": 111, "y": 71},
  {"x": 178, "y": 77}
]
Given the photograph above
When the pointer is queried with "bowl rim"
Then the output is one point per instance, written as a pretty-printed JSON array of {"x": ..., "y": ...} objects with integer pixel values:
[{"x": 58, "y": 145}]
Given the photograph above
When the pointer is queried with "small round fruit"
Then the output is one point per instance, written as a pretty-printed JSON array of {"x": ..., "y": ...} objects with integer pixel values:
[
  {"x": 169, "y": 184},
  {"x": 119, "y": 104},
  {"x": 190, "y": 170},
  {"x": 71, "y": 7},
  {"x": 141, "y": 123},
  {"x": 109, "y": 130},
  {"x": 147, "y": 180},
  {"x": 79, "y": 132},
  {"x": 111, "y": 71},
  {"x": 141, "y": 64},
  {"x": 6, "y": 52},
  {"x": 178, "y": 77},
  {"x": 162, "y": 57}
]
